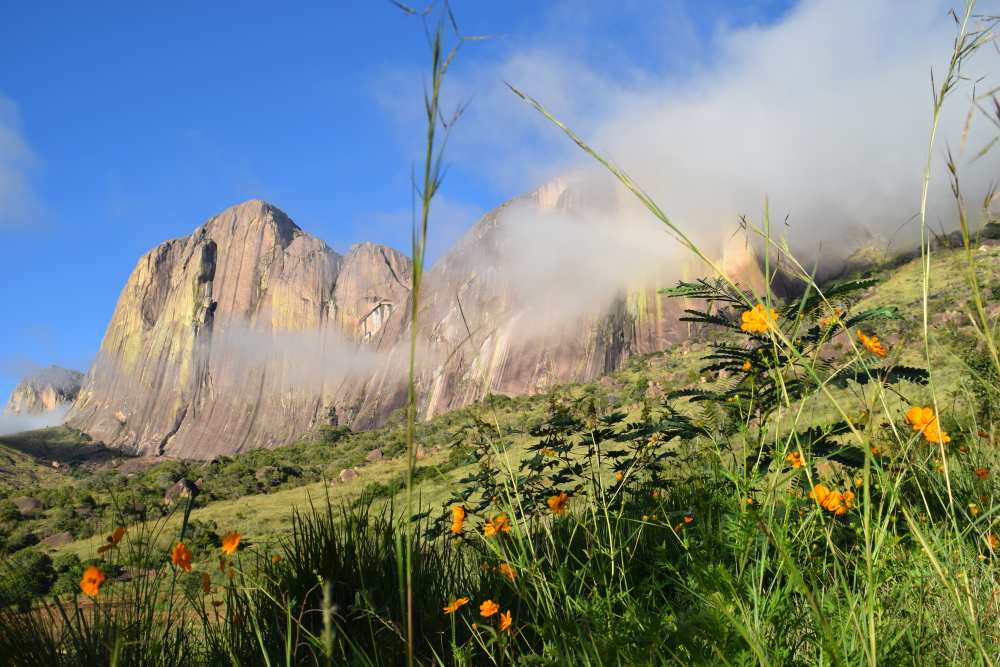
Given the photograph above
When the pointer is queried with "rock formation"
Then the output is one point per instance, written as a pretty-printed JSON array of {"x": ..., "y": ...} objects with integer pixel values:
[
  {"x": 250, "y": 332},
  {"x": 218, "y": 341},
  {"x": 47, "y": 390}
]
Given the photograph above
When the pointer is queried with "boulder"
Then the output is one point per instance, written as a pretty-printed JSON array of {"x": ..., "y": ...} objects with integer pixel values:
[
  {"x": 57, "y": 540},
  {"x": 374, "y": 455},
  {"x": 26, "y": 506},
  {"x": 348, "y": 475},
  {"x": 182, "y": 489}
]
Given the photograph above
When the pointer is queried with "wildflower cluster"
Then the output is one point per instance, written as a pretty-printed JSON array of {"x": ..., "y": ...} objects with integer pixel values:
[
  {"x": 487, "y": 609},
  {"x": 836, "y": 502}
]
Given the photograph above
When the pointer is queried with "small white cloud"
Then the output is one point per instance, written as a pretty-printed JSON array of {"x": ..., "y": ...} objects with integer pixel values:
[
  {"x": 19, "y": 207},
  {"x": 10, "y": 423}
]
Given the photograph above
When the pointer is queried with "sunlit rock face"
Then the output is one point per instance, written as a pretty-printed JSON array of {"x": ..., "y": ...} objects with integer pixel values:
[
  {"x": 249, "y": 332},
  {"x": 217, "y": 342},
  {"x": 44, "y": 391}
]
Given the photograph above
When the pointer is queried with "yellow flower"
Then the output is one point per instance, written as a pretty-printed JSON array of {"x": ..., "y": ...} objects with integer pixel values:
[
  {"x": 457, "y": 518},
  {"x": 973, "y": 509},
  {"x": 548, "y": 452},
  {"x": 455, "y": 604},
  {"x": 505, "y": 620},
  {"x": 747, "y": 366},
  {"x": 794, "y": 459},
  {"x": 507, "y": 571},
  {"x": 499, "y": 524},
  {"x": 488, "y": 608},
  {"x": 873, "y": 344},
  {"x": 180, "y": 555},
  {"x": 558, "y": 503},
  {"x": 112, "y": 540},
  {"x": 759, "y": 319},
  {"x": 92, "y": 580},
  {"x": 230, "y": 542}
]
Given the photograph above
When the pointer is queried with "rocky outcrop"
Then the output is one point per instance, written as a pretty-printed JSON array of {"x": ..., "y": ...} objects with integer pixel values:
[
  {"x": 249, "y": 332},
  {"x": 47, "y": 390},
  {"x": 222, "y": 341}
]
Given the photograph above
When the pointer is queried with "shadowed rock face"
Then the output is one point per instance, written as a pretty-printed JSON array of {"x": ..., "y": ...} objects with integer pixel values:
[
  {"x": 46, "y": 390},
  {"x": 246, "y": 333}
]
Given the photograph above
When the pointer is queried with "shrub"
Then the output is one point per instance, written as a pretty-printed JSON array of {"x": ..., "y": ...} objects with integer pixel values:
[{"x": 26, "y": 575}]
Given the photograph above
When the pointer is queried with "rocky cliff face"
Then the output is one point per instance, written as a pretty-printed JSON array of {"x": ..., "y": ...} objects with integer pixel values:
[
  {"x": 47, "y": 390},
  {"x": 217, "y": 342},
  {"x": 246, "y": 333}
]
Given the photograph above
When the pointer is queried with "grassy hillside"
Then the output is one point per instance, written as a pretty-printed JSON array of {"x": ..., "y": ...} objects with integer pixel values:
[
  {"x": 259, "y": 489},
  {"x": 746, "y": 517}
]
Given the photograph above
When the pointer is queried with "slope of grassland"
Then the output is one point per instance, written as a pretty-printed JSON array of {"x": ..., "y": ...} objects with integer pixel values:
[{"x": 257, "y": 492}]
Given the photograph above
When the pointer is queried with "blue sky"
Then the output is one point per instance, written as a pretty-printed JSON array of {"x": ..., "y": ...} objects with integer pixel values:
[{"x": 125, "y": 124}]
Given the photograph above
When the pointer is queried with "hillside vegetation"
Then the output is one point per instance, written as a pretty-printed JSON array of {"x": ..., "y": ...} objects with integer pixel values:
[{"x": 628, "y": 519}]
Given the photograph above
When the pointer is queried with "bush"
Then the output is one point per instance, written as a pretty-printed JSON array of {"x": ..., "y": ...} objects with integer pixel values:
[{"x": 26, "y": 575}]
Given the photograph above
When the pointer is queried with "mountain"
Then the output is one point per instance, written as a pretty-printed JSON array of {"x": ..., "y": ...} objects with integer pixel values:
[
  {"x": 250, "y": 332},
  {"x": 212, "y": 341},
  {"x": 46, "y": 390}
]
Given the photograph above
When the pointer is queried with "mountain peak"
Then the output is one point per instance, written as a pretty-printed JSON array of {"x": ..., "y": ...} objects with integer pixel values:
[{"x": 249, "y": 215}]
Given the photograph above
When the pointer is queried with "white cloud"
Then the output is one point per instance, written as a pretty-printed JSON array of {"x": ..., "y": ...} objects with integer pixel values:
[
  {"x": 826, "y": 112},
  {"x": 10, "y": 423},
  {"x": 19, "y": 206}
]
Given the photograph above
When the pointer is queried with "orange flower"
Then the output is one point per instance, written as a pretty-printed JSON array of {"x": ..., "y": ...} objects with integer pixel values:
[
  {"x": 794, "y": 459},
  {"x": 973, "y": 509},
  {"x": 499, "y": 524},
  {"x": 982, "y": 473},
  {"x": 924, "y": 420},
  {"x": 92, "y": 580},
  {"x": 832, "y": 319},
  {"x": 505, "y": 620},
  {"x": 488, "y": 608},
  {"x": 112, "y": 540},
  {"x": 746, "y": 366},
  {"x": 935, "y": 435},
  {"x": 548, "y": 452},
  {"x": 180, "y": 555},
  {"x": 992, "y": 540},
  {"x": 759, "y": 319},
  {"x": 688, "y": 520},
  {"x": 206, "y": 583},
  {"x": 457, "y": 518},
  {"x": 230, "y": 542},
  {"x": 455, "y": 604},
  {"x": 919, "y": 417},
  {"x": 558, "y": 503},
  {"x": 507, "y": 571},
  {"x": 832, "y": 501},
  {"x": 873, "y": 344},
  {"x": 619, "y": 476},
  {"x": 276, "y": 559}
]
